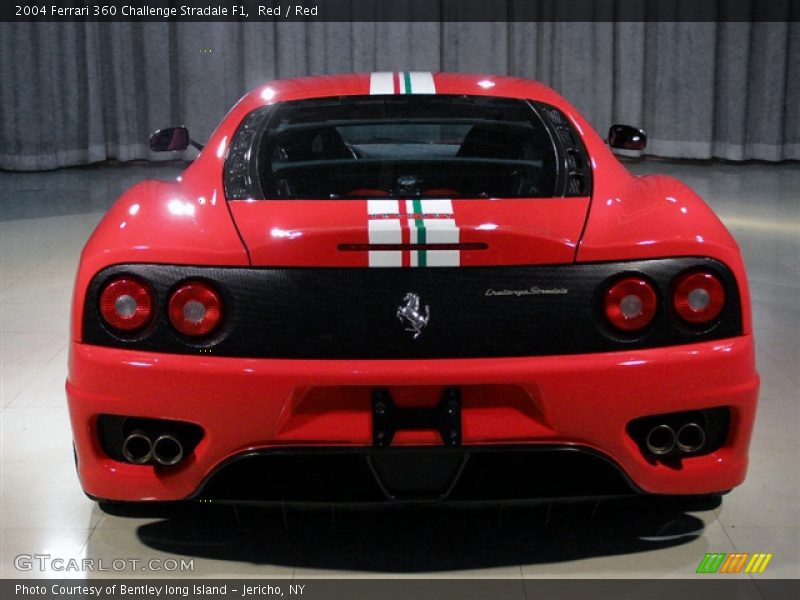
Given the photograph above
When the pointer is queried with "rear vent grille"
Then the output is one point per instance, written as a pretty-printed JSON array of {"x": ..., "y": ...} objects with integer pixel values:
[
  {"x": 576, "y": 165},
  {"x": 554, "y": 115},
  {"x": 238, "y": 178},
  {"x": 575, "y": 160},
  {"x": 576, "y": 185},
  {"x": 566, "y": 136},
  {"x": 578, "y": 170}
]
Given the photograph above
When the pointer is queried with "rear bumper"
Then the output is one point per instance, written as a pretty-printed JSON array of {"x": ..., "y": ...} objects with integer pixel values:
[{"x": 260, "y": 405}]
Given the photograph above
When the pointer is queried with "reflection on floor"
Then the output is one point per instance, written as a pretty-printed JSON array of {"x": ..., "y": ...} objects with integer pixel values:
[{"x": 45, "y": 219}]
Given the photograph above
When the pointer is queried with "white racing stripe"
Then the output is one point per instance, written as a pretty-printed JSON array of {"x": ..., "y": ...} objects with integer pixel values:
[
  {"x": 422, "y": 83},
  {"x": 385, "y": 231},
  {"x": 381, "y": 83},
  {"x": 383, "y": 207},
  {"x": 441, "y": 231}
]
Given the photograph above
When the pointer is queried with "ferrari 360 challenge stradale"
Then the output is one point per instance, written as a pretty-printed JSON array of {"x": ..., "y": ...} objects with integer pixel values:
[{"x": 409, "y": 287}]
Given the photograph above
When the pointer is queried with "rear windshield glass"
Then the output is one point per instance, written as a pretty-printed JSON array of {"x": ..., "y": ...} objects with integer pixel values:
[{"x": 405, "y": 146}]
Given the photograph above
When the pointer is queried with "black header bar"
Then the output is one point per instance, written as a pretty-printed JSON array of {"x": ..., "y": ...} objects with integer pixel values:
[{"x": 631, "y": 11}]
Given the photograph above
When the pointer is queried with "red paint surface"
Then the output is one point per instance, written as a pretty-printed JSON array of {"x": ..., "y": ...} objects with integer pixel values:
[
  {"x": 244, "y": 404},
  {"x": 259, "y": 403}
]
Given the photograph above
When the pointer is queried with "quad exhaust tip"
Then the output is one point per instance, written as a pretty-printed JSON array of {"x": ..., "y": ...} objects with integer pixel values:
[
  {"x": 137, "y": 448},
  {"x": 661, "y": 440},
  {"x": 690, "y": 438},
  {"x": 167, "y": 450}
]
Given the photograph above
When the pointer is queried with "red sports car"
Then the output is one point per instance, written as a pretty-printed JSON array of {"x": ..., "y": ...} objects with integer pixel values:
[{"x": 409, "y": 287}]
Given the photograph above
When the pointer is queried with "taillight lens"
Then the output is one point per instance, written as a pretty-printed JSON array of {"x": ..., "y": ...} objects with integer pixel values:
[
  {"x": 630, "y": 304},
  {"x": 195, "y": 308},
  {"x": 126, "y": 304},
  {"x": 699, "y": 297}
]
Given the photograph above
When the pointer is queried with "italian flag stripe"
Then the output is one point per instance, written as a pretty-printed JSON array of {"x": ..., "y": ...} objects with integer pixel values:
[
  {"x": 419, "y": 224},
  {"x": 410, "y": 221},
  {"x": 420, "y": 221},
  {"x": 401, "y": 82}
]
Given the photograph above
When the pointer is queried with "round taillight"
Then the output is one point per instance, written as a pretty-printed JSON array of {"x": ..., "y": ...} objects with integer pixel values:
[
  {"x": 698, "y": 297},
  {"x": 195, "y": 308},
  {"x": 630, "y": 304},
  {"x": 126, "y": 304}
]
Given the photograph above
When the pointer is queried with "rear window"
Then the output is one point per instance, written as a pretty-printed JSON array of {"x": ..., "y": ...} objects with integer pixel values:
[{"x": 412, "y": 146}]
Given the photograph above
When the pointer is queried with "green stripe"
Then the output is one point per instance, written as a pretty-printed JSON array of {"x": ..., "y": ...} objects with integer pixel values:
[
  {"x": 407, "y": 79},
  {"x": 711, "y": 562},
  {"x": 718, "y": 563},
  {"x": 702, "y": 567},
  {"x": 419, "y": 223}
]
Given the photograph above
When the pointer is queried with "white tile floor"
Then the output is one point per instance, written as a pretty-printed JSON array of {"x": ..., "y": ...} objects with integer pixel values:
[{"x": 42, "y": 509}]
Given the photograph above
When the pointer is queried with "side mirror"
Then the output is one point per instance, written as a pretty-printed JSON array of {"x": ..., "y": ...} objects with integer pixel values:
[
  {"x": 169, "y": 139},
  {"x": 626, "y": 137}
]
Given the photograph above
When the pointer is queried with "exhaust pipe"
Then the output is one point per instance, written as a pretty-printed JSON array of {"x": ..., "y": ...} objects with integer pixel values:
[
  {"x": 661, "y": 440},
  {"x": 137, "y": 448},
  {"x": 167, "y": 450},
  {"x": 690, "y": 438}
]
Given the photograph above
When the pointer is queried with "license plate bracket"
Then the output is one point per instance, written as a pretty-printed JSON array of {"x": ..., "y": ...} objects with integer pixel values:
[{"x": 388, "y": 418}]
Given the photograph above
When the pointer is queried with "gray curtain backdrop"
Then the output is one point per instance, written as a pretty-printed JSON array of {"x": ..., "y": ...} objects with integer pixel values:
[{"x": 76, "y": 93}]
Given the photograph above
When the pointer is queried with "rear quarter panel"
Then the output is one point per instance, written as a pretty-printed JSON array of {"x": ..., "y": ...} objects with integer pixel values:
[
  {"x": 159, "y": 222},
  {"x": 655, "y": 216}
]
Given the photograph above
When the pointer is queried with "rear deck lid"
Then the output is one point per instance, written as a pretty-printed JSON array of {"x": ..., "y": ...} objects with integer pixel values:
[{"x": 411, "y": 233}]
